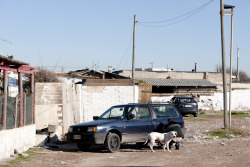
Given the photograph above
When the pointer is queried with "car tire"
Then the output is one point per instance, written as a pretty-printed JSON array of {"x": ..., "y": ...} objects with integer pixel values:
[
  {"x": 195, "y": 115},
  {"x": 112, "y": 142},
  {"x": 83, "y": 147}
]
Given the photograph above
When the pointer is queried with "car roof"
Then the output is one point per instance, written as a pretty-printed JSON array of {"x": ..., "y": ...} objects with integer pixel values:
[
  {"x": 183, "y": 97},
  {"x": 136, "y": 104}
]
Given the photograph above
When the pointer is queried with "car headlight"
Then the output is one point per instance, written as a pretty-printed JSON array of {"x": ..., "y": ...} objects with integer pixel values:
[
  {"x": 92, "y": 129},
  {"x": 70, "y": 129}
]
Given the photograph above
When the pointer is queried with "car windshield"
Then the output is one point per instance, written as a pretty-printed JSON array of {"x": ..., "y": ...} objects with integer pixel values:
[{"x": 116, "y": 112}]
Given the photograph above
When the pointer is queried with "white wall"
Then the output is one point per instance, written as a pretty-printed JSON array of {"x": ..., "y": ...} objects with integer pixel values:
[
  {"x": 97, "y": 99},
  {"x": 20, "y": 139},
  {"x": 240, "y": 101}
]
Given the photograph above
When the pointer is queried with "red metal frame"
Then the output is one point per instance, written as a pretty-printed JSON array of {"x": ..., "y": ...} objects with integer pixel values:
[{"x": 20, "y": 69}]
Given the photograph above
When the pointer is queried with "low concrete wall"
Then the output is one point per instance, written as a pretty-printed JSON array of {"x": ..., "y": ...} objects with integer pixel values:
[{"x": 20, "y": 139}]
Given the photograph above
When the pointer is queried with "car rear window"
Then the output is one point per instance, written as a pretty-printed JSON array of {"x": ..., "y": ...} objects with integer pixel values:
[
  {"x": 187, "y": 100},
  {"x": 164, "y": 111}
]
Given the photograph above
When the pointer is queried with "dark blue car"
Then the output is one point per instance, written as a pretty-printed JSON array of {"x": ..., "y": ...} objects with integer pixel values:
[{"x": 129, "y": 123}]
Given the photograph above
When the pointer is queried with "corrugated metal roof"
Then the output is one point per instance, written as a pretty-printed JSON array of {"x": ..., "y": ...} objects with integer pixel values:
[
  {"x": 178, "y": 82},
  {"x": 11, "y": 61}
]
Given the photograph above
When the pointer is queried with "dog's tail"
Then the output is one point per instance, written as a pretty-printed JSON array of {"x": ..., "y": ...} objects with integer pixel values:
[{"x": 146, "y": 140}]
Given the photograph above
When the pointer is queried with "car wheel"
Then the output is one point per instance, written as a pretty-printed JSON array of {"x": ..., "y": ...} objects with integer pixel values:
[
  {"x": 195, "y": 115},
  {"x": 112, "y": 142},
  {"x": 83, "y": 147}
]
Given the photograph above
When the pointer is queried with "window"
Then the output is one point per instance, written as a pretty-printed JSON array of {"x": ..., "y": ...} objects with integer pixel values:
[
  {"x": 116, "y": 112},
  {"x": 163, "y": 111},
  {"x": 187, "y": 100},
  {"x": 141, "y": 112}
]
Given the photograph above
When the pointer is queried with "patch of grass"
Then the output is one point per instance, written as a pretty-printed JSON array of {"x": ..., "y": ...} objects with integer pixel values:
[
  {"x": 14, "y": 162},
  {"x": 208, "y": 138},
  {"x": 202, "y": 113},
  {"x": 240, "y": 114},
  {"x": 224, "y": 133},
  {"x": 195, "y": 119}
]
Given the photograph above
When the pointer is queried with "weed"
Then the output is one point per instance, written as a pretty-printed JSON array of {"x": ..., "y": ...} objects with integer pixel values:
[
  {"x": 30, "y": 152},
  {"x": 240, "y": 114},
  {"x": 202, "y": 113},
  {"x": 224, "y": 133},
  {"x": 195, "y": 119}
]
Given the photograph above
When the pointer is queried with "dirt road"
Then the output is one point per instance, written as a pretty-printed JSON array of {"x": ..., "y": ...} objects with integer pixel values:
[{"x": 197, "y": 150}]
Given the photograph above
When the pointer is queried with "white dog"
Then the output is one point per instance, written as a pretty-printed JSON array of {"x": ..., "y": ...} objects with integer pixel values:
[{"x": 164, "y": 138}]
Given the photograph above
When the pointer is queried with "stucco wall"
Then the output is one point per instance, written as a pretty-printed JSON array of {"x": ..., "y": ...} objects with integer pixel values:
[
  {"x": 97, "y": 99},
  {"x": 20, "y": 139}
]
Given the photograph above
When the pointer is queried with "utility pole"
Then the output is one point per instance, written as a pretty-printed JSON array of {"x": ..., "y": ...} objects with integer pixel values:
[
  {"x": 231, "y": 64},
  {"x": 223, "y": 64},
  {"x": 133, "y": 60},
  {"x": 238, "y": 56}
]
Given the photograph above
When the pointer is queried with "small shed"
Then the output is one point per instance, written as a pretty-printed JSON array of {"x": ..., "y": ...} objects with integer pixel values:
[{"x": 180, "y": 86}]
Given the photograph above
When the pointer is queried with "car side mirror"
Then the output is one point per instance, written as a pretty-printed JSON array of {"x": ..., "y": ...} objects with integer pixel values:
[
  {"x": 131, "y": 116},
  {"x": 95, "y": 118}
]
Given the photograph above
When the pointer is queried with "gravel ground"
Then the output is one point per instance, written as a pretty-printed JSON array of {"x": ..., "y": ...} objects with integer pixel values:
[{"x": 198, "y": 149}]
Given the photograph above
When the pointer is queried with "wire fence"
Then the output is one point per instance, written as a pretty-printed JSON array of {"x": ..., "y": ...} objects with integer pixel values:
[{"x": 12, "y": 119}]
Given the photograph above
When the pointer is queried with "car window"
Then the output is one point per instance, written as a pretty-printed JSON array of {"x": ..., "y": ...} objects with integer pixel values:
[
  {"x": 163, "y": 111},
  {"x": 116, "y": 112},
  {"x": 141, "y": 112},
  {"x": 187, "y": 100}
]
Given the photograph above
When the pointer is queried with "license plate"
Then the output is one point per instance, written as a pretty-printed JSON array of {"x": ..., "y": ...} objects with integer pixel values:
[
  {"x": 77, "y": 137},
  {"x": 188, "y": 105}
]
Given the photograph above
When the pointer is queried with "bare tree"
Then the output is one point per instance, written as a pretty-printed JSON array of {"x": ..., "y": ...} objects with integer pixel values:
[
  {"x": 44, "y": 75},
  {"x": 243, "y": 75}
]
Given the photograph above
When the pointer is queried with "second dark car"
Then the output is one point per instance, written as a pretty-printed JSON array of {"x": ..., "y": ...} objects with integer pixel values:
[
  {"x": 186, "y": 105},
  {"x": 129, "y": 123}
]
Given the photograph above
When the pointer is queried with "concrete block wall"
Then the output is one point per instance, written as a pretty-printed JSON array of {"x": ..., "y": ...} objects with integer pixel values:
[
  {"x": 20, "y": 139},
  {"x": 48, "y": 97},
  {"x": 48, "y": 93},
  {"x": 72, "y": 110},
  {"x": 97, "y": 99}
]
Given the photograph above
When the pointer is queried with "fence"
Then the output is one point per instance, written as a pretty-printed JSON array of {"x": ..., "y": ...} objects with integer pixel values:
[{"x": 12, "y": 119}]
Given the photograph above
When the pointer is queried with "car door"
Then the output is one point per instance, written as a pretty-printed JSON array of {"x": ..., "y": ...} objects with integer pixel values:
[{"x": 137, "y": 129}]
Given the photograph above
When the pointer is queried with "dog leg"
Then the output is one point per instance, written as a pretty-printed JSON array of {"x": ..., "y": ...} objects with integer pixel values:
[
  {"x": 164, "y": 146},
  {"x": 151, "y": 145},
  {"x": 168, "y": 146}
]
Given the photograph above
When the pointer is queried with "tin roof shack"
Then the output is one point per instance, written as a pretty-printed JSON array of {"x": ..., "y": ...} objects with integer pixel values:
[
  {"x": 78, "y": 75},
  {"x": 180, "y": 86}
]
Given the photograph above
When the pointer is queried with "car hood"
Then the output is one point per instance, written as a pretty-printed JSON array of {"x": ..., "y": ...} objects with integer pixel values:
[{"x": 97, "y": 122}]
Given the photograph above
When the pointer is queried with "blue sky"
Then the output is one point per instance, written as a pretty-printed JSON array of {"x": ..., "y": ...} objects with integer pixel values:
[{"x": 77, "y": 34}]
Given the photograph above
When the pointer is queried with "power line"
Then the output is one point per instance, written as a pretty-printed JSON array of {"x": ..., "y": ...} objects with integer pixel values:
[
  {"x": 186, "y": 16},
  {"x": 125, "y": 53}
]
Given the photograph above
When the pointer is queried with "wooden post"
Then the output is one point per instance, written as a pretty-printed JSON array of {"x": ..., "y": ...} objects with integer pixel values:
[
  {"x": 5, "y": 98},
  {"x": 20, "y": 91}
]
